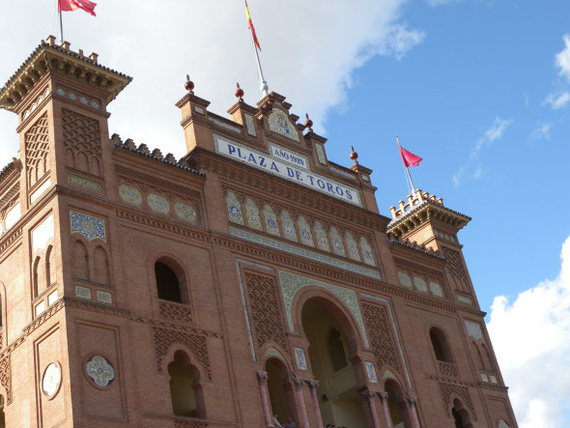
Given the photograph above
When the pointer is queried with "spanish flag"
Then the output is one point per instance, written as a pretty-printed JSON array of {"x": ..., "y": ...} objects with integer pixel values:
[
  {"x": 71, "y": 5},
  {"x": 250, "y": 26}
]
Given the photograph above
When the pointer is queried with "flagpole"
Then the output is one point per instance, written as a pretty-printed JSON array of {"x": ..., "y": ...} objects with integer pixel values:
[
  {"x": 262, "y": 82},
  {"x": 405, "y": 167},
  {"x": 60, "y": 21}
]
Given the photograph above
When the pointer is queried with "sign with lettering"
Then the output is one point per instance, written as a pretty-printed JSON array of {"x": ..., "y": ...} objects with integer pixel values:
[{"x": 289, "y": 165}]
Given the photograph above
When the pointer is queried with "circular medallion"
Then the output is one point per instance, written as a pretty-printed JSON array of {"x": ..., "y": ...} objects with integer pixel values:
[
  {"x": 51, "y": 380},
  {"x": 100, "y": 371}
]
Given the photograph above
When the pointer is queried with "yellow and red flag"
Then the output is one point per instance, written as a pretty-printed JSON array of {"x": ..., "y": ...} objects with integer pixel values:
[
  {"x": 251, "y": 27},
  {"x": 71, "y": 5}
]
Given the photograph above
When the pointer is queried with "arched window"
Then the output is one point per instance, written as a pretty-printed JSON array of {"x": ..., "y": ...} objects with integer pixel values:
[
  {"x": 185, "y": 389},
  {"x": 460, "y": 415},
  {"x": 336, "y": 349},
  {"x": 101, "y": 266},
  {"x": 167, "y": 283},
  {"x": 397, "y": 405},
  {"x": 50, "y": 266},
  {"x": 440, "y": 346},
  {"x": 80, "y": 261}
]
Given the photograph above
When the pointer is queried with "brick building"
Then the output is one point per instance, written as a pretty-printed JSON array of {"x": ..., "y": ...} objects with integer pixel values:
[{"x": 253, "y": 277}]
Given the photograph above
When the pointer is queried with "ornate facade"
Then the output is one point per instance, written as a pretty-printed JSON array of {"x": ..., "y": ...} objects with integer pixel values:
[{"x": 250, "y": 281}]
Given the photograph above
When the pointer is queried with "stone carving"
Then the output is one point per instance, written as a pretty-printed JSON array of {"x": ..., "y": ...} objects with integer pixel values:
[
  {"x": 37, "y": 148},
  {"x": 456, "y": 270},
  {"x": 100, "y": 370},
  {"x": 450, "y": 388},
  {"x": 175, "y": 311},
  {"x": 447, "y": 369},
  {"x": 6, "y": 377},
  {"x": 265, "y": 309},
  {"x": 382, "y": 342},
  {"x": 82, "y": 142},
  {"x": 164, "y": 337}
]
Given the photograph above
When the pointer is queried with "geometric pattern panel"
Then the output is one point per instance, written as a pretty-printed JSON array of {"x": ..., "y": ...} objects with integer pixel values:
[
  {"x": 455, "y": 269},
  {"x": 175, "y": 311},
  {"x": 164, "y": 337},
  {"x": 382, "y": 342},
  {"x": 447, "y": 389},
  {"x": 6, "y": 377},
  {"x": 37, "y": 148},
  {"x": 82, "y": 142},
  {"x": 88, "y": 226},
  {"x": 265, "y": 309}
]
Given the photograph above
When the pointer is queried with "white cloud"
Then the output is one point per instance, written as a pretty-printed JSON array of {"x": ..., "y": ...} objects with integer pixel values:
[
  {"x": 309, "y": 60},
  {"x": 557, "y": 101},
  {"x": 434, "y": 3},
  {"x": 562, "y": 59},
  {"x": 531, "y": 337},
  {"x": 541, "y": 131}
]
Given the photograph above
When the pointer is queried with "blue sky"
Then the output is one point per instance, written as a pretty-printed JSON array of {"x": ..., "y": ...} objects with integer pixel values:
[{"x": 480, "y": 89}]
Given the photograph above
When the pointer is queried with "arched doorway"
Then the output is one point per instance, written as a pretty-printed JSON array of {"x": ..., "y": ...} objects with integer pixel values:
[
  {"x": 280, "y": 390},
  {"x": 185, "y": 389},
  {"x": 397, "y": 407},
  {"x": 339, "y": 400}
]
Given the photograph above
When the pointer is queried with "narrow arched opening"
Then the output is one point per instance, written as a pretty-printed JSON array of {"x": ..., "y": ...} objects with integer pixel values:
[
  {"x": 280, "y": 390},
  {"x": 2, "y": 415},
  {"x": 167, "y": 283},
  {"x": 399, "y": 415},
  {"x": 460, "y": 415},
  {"x": 185, "y": 388},
  {"x": 440, "y": 345}
]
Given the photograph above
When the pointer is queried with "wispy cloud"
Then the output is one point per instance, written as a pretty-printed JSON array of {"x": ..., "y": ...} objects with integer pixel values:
[
  {"x": 541, "y": 131},
  {"x": 561, "y": 97},
  {"x": 557, "y": 101},
  {"x": 531, "y": 337},
  {"x": 495, "y": 132}
]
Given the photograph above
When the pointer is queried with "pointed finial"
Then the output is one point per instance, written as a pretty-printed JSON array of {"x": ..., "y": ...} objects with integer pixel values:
[
  {"x": 353, "y": 155},
  {"x": 239, "y": 92},
  {"x": 308, "y": 122},
  {"x": 189, "y": 85}
]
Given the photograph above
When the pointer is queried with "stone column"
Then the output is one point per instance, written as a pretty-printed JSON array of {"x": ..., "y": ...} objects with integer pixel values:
[
  {"x": 301, "y": 401},
  {"x": 384, "y": 399},
  {"x": 369, "y": 397},
  {"x": 413, "y": 411},
  {"x": 262, "y": 380},
  {"x": 313, "y": 384}
]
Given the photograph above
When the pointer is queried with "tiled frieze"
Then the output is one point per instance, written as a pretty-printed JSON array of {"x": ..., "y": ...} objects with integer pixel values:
[
  {"x": 420, "y": 283},
  {"x": 252, "y": 214},
  {"x": 89, "y": 226},
  {"x": 289, "y": 231},
  {"x": 271, "y": 225},
  {"x": 158, "y": 203},
  {"x": 235, "y": 213},
  {"x": 130, "y": 194},
  {"x": 85, "y": 183},
  {"x": 305, "y": 232}
]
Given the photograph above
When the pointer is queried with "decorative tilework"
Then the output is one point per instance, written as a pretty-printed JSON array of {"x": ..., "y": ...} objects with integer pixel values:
[
  {"x": 493, "y": 379},
  {"x": 301, "y": 359},
  {"x": 405, "y": 279},
  {"x": 388, "y": 374},
  {"x": 271, "y": 225},
  {"x": 99, "y": 369},
  {"x": 88, "y": 226},
  {"x": 322, "y": 238},
  {"x": 280, "y": 123},
  {"x": 367, "y": 252},
  {"x": 130, "y": 194},
  {"x": 436, "y": 289},
  {"x": 305, "y": 232},
  {"x": 289, "y": 231},
  {"x": 371, "y": 371},
  {"x": 484, "y": 377},
  {"x": 351, "y": 246},
  {"x": 83, "y": 292},
  {"x": 474, "y": 330},
  {"x": 104, "y": 297},
  {"x": 292, "y": 283},
  {"x": 321, "y": 154},
  {"x": 274, "y": 353},
  {"x": 199, "y": 110},
  {"x": 83, "y": 182},
  {"x": 185, "y": 212},
  {"x": 338, "y": 246},
  {"x": 234, "y": 209},
  {"x": 252, "y": 215},
  {"x": 250, "y": 125},
  {"x": 43, "y": 233},
  {"x": 464, "y": 299},
  {"x": 12, "y": 216},
  {"x": 51, "y": 380},
  {"x": 40, "y": 191},
  {"x": 420, "y": 284},
  {"x": 301, "y": 252},
  {"x": 502, "y": 424},
  {"x": 158, "y": 203}
]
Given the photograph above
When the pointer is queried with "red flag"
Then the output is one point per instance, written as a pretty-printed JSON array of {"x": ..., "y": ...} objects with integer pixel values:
[
  {"x": 71, "y": 5},
  {"x": 251, "y": 27},
  {"x": 409, "y": 159}
]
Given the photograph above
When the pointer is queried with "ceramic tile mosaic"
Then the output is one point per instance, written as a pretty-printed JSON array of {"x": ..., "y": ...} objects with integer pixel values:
[
  {"x": 83, "y": 292},
  {"x": 464, "y": 299},
  {"x": 292, "y": 283},
  {"x": 420, "y": 284},
  {"x": 301, "y": 359},
  {"x": 436, "y": 289},
  {"x": 322, "y": 238},
  {"x": 99, "y": 369},
  {"x": 252, "y": 215},
  {"x": 405, "y": 280},
  {"x": 338, "y": 246},
  {"x": 280, "y": 123},
  {"x": 289, "y": 231},
  {"x": 351, "y": 246},
  {"x": 40, "y": 191},
  {"x": 493, "y": 379},
  {"x": 274, "y": 353},
  {"x": 83, "y": 182},
  {"x": 484, "y": 377},
  {"x": 43, "y": 233},
  {"x": 305, "y": 232},
  {"x": 104, "y": 297},
  {"x": 371, "y": 371},
  {"x": 185, "y": 212},
  {"x": 158, "y": 203},
  {"x": 130, "y": 194},
  {"x": 367, "y": 252},
  {"x": 474, "y": 330},
  {"x": 250, "y": 125},
  {"x": 502, "y": 424},
  {"x": 88, "y": 226},
  {"x": 321, "y": 154},
  {"x": 302, "y": 252},
  {"x": 234, "y": 209},
  {"x": 271, "y": 225}
]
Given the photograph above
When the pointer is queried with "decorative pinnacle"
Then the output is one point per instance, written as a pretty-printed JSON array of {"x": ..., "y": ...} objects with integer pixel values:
[
  {"x": 308, "y": 122},
  {"x": 353, "y": 155},
  {"x": 189, "y": 85},
  {"x": 239, "y": 92}
]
